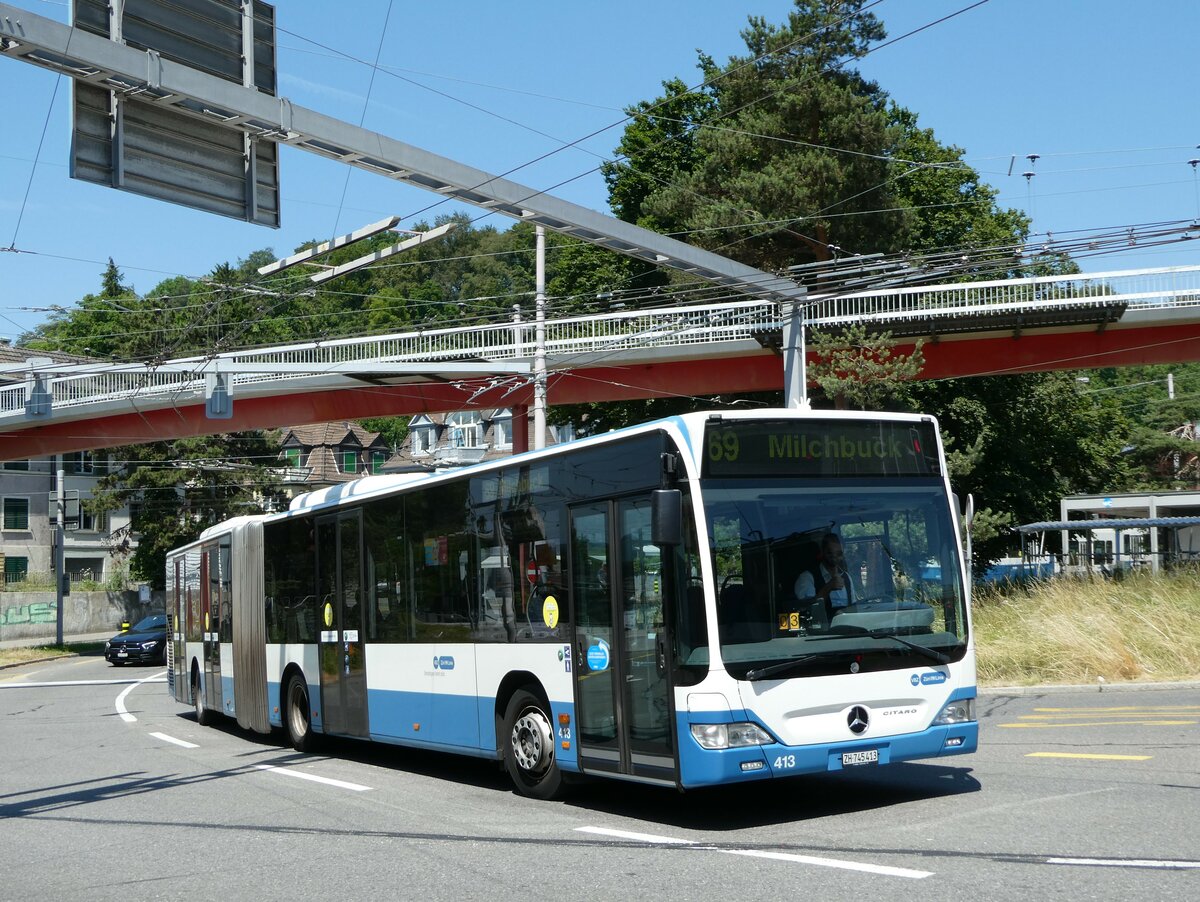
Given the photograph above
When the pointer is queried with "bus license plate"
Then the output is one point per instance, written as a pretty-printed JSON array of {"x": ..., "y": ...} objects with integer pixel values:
[{"x": 868, "y": 756}]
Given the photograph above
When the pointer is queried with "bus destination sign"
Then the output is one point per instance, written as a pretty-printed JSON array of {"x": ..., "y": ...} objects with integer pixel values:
[{"x": 828, "y": 448}]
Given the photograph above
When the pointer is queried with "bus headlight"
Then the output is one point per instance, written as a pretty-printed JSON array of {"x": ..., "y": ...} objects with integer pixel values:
[
  {"x": 730, "y": 735},
  {"x": 961, "y": 711}
]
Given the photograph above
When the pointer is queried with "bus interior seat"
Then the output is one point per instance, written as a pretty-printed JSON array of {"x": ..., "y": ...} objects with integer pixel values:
[{"x": 744, "y": 617}]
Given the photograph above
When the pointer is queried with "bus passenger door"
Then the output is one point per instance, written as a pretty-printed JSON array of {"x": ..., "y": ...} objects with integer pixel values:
[
  {"x": 340, "y": 588},
  {"x": 623, "y": 717},
  {"x": 211, "y": 601}
]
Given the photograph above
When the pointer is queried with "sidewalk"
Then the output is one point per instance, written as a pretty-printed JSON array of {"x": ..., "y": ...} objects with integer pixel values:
[{"x": 34, "y": 641}]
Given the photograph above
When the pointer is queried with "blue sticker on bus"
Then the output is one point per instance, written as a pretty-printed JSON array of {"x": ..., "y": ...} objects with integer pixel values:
[
  {"x": 597, "y": 656},
  {"x": 931, "y": 679},
  {"x": 443, "y": 662}
]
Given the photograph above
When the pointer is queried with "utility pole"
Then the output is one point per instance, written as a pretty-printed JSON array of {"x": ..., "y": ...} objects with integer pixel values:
[
  {"x": 59, "y": 554},
  {"x": 795, "y": 371},
  {"x": 539, "y": 351}
]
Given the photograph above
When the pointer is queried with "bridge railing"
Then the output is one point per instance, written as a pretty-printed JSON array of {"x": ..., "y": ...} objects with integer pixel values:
[
  {"x": 584, "y": 337},
  {"x": 1174, "y": 287},
  {"x": 566, "y": 338}
]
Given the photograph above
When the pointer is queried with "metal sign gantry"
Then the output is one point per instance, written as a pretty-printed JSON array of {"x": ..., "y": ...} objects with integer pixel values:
[{"x": 147, "y": 77}]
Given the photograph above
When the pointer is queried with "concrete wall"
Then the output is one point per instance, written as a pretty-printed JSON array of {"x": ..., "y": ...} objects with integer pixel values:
[{"x": 33, "y": 615}]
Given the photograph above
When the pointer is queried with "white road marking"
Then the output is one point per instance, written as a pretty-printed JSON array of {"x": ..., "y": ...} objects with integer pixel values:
[
  {"x": 300, "y": 775},
  {"x": 125, "y": 715},
  {"x": 17, "y": 684},
  {"x": 180, "y": 742},
  {"x": 883, "y": 870},
  {"x": 1127, "y": 863},
  {"x": 636, "y": 837}
]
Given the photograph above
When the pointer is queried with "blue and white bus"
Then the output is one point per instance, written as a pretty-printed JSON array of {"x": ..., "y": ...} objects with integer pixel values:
[{"x": 651, "y": 605}]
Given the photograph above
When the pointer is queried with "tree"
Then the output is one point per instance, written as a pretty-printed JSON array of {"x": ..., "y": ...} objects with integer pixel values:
[
  {"x": 176, "y": 489},
  {"x": 1020, "y": 443},
  {"x": 860, "y": 370}
]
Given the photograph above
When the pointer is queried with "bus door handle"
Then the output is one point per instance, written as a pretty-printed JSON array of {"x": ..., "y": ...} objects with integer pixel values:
[{"x": 660, "y": 655}]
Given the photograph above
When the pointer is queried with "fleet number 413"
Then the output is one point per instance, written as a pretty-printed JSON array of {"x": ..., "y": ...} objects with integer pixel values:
[{"x": 784, "y": 762}]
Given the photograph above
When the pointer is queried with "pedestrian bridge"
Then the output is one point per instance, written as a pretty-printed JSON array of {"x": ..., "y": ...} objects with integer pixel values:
[{"x": 967, "y": 329}]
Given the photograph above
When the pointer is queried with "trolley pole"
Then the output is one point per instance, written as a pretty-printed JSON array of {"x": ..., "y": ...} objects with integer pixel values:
[{"x": 539, "y": 351}]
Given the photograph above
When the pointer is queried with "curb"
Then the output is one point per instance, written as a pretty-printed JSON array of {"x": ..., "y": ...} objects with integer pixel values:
[
  {"x": 1092, "y": 687},
  {"x": 63, "y": 657}
]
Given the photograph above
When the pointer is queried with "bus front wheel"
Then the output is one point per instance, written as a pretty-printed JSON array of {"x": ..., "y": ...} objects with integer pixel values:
[
  {"x": 529, "y": 747},
  {"x": 296, "y": 717}
]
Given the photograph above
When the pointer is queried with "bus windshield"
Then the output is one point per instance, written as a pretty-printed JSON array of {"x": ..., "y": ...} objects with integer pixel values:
[{"x": 834, "y": 576}]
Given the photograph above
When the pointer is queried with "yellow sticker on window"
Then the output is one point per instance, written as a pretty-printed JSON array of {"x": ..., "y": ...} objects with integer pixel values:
[
  {"x": 328, "y": 614},
  {"x": 550, "y": 611}
]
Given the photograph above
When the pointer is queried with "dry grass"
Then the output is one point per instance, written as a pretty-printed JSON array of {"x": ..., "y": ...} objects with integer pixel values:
[
  {"x": 1076, "y": 631},
  {"x": 9, "y": 656}
]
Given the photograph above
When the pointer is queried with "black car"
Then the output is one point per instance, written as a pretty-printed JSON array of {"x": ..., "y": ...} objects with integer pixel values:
[{"x": 144, "y": 643}]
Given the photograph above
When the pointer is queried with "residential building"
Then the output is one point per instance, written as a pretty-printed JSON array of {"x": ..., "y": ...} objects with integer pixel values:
[
  {"x": 29, "y": 497},
  {"x": 440, "y": 440},
  {"x": 29, "y": 506},
  {"x": 319, "y": 455}
]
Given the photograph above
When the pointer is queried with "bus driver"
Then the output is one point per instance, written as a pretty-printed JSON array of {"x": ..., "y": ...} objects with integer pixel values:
[{"x": 828, "y": 582}]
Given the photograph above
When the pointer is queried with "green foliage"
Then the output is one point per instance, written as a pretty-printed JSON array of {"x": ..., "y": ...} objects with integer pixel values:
[
  {"x": 1020, "y": 443},
  {"x": 176, "y": 489},
  {"x": 392, "y": 429},
  {"x": 860, "y": 370}
]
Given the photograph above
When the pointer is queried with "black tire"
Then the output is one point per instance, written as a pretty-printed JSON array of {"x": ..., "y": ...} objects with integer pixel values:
[
  {"x": 528, "y": 744},
  {"x": 204, "y": 717},
  {"x": 297, "y": 720}
]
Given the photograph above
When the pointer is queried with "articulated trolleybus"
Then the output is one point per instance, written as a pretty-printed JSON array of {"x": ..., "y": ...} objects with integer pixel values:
[{"x": 708, "y": 599}]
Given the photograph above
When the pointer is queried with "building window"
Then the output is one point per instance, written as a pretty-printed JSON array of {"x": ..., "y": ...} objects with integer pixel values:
[
  {"x": 422, "y": 440},
  {"x": 464, "y": 429},
  {"x": 79, "y": 462},
  {"x": 16, "y": 513},
  {"x": 16, "y": 569},
  {"x": 292, "y": 456},
  {"x": 16, "y": 465},
  {"x": 502, "y": 431},
  {"x": 92, "y": 522},
  {"x": 378, "y": 459},
  {"x": 349, "y": 462}
]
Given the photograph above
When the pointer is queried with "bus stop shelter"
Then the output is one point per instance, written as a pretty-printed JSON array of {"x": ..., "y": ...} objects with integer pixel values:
[{"x": 1154, "y": 526}]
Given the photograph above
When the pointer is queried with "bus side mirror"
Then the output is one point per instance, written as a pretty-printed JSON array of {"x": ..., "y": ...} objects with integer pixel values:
[{"x": 666, "y": 517}]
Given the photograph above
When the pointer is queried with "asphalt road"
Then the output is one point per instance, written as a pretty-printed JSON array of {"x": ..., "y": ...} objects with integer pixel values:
[{"x": 110, "y": 790}]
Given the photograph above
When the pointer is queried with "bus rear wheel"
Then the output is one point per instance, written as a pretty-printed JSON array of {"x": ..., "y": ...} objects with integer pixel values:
[
  {"x": 296, "y": 719},
  {"x": 529, "y": 747},
  {"x": 203, "y": 715}
]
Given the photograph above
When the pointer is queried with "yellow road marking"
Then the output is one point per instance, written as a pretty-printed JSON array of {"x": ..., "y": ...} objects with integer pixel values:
[
  {"x": 1173, "y": 708},
  {"x": 1089, "y": 757},
  {"x": 1109, "y": 714},
  {"x": 1104, "y": 723}
]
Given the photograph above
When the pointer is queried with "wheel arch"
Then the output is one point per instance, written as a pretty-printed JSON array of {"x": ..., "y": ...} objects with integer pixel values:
[{"x": 512, "y": 682}]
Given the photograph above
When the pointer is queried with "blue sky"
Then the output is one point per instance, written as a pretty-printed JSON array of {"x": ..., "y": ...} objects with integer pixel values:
[{"x": 1101, "y": 90}]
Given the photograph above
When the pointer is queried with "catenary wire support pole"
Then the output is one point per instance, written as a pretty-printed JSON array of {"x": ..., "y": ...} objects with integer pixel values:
[
  {"x": 795, "y": 372},
  {"x": 60, "y": 557},
  {"x": 539, "y": 351}
]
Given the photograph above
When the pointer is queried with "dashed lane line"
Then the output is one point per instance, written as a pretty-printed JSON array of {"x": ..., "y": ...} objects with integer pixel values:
[
  {"x": 301, "y": 775},
  {"x": 862, "y": 867},
  {"x": 1128, "y": 863},
  {"x": 182, "y": 743}
]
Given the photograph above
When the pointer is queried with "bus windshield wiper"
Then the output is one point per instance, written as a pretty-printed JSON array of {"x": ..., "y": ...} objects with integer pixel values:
[
  {"x": 932, "y": 653},
  {"x": 762, "y": 673}
]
